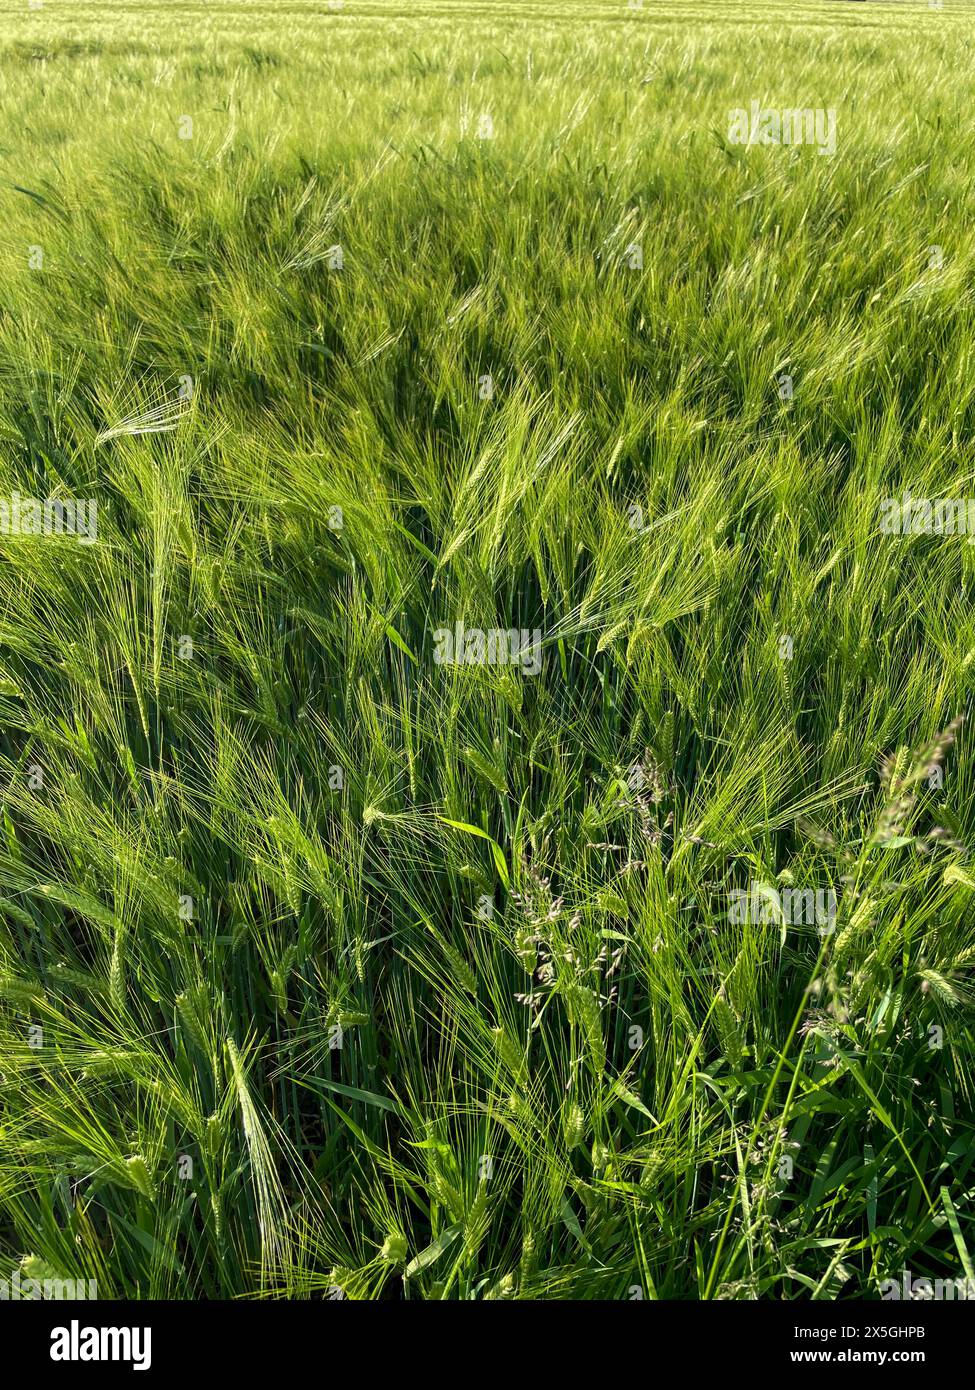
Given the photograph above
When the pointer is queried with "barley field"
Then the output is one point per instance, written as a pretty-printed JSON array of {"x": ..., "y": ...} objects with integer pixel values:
[{"x": 486, "y": 636}]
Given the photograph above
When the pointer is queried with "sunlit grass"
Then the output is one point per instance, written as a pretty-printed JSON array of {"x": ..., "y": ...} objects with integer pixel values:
[{"x": 325, "y": 966}]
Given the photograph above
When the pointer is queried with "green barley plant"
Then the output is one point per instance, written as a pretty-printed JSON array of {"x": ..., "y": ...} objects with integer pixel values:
[{"x": 486, "y": 794}]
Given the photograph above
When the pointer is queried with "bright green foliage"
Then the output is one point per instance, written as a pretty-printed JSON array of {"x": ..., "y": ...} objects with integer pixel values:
[{"x": 429, "y": 972}]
